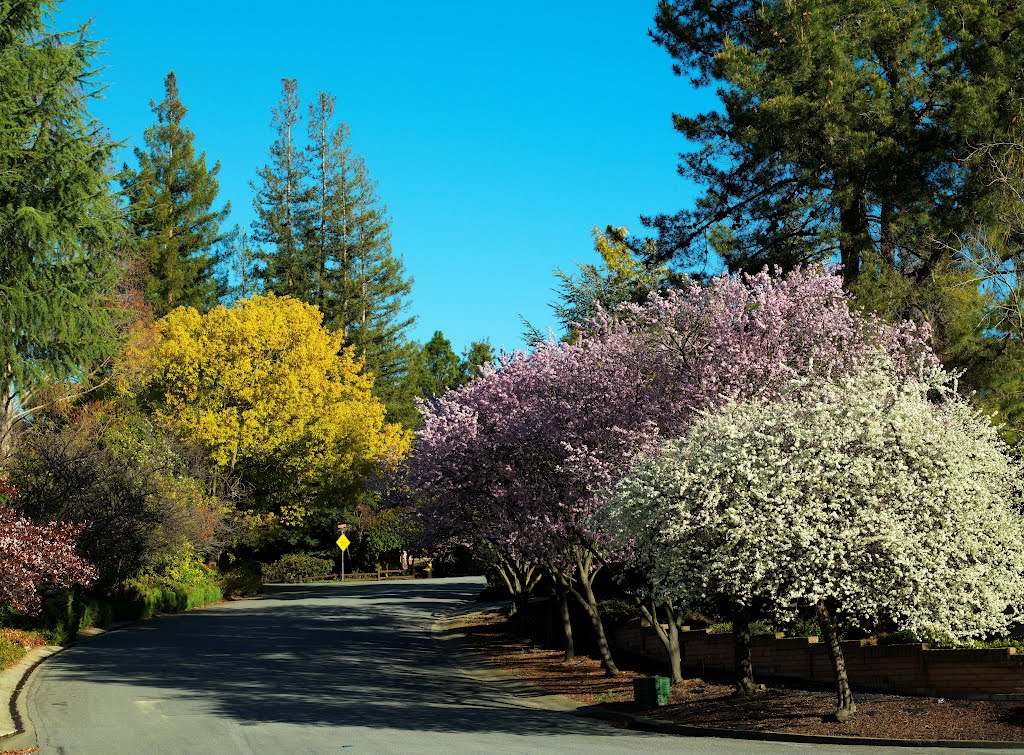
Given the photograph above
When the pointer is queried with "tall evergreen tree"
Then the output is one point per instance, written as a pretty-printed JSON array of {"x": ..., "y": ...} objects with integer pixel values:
[
  {"x": 438, "y": 366},
  {"x": 171, "y": 204},
  {"x": 329, "y": 242},
  {"x": 283, "y": 203},
  {"x": 359, "y": 284},
  {"x": 59, "y": 219},
  {"x": 849, "y": 132},
  {"x": 475, "y": 356},
  {"x": 622, "y": 278},
  {"x": 238, "y": 274},
  {"x": 327, "y": 236}
]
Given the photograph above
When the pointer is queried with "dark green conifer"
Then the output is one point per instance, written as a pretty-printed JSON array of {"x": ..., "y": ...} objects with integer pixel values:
[
  {"x": 283, "y": 203},
  {"x": 475, "y": 356},
  {"x": 59, "y": 220},
  {"x": 845, "y": 130},
  {"x": 171, "y": 203},
  {"x": 854, "y": 133},
  {"x": 439, "y": 367}
]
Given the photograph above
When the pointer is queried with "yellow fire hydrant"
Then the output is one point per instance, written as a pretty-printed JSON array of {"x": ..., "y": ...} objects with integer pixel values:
[{"x": 430, "y": 569}]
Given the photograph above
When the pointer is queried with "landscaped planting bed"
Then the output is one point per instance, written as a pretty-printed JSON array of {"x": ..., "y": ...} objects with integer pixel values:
[
  {"x": 14, "y": 643},
  {"x": 700, "y": 703}
]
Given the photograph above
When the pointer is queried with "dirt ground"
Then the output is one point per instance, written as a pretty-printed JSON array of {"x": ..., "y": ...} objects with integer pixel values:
[{"x": 700, "y": 703}]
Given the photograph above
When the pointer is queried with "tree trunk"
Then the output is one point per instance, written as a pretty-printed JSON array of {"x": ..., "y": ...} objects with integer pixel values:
[
  {"x": 742, "y": 665},
  {"x": 520, "y": 578},
  {"x": 669, "y": 637},
  {"x": 562, "y": 596},
  {"x": 675, "y": 652},
  {"x": 856, "y": 236},
  {"x": 845, "y": 707},
  {"x": 521, "y": 606},
  {"x": 886, "y": 240},
  {"x": 589, "y": 603},
  {"x": 8, "y": 414},
  {"x": 508, "y": 576}
]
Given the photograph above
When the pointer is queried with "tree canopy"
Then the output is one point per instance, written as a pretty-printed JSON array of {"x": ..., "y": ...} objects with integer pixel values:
[
  {"x": 272, "y": 396},
  {"x": 59, "y": 221},
  {"x": 860, "y": 498},
  {"x": 171, "y": 198}
]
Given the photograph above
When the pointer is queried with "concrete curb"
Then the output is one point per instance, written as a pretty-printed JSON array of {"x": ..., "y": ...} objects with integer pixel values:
[
  {"x": 446, "y": 629},
  {"x": 12, "y": 681}
]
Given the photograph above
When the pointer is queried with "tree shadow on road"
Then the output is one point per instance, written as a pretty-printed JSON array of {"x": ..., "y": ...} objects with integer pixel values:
[{"x": 325, "y": 655}]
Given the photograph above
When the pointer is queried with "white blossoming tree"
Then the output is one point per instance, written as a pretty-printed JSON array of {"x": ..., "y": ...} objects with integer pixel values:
[{"x": 868, "y": 498}]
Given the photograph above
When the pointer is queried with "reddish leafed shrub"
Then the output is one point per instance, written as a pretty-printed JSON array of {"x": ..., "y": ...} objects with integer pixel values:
[{"x": 33, "y": 556}]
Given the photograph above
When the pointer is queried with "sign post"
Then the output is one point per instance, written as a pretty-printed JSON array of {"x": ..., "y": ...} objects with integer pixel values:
[{"x": 343, "y": 543}]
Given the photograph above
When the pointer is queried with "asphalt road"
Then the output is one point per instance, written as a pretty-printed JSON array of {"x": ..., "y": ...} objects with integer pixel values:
[{"x": 303, "y": 669}]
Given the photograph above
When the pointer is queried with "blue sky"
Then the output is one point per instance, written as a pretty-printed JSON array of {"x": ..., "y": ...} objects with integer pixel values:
[{"x": 500, "y": 133}]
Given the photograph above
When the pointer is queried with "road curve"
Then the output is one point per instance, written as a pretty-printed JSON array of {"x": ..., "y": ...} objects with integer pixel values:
[{"x": 326, "y": 668}]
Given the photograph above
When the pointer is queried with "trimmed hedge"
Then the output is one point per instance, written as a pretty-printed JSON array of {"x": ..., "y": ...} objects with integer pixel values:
[
  {"x": 155, "y": 595},
  {"x": 181, "y": 585},
  {"x": 65, "y": 612},
  {"x": 297, "y": 566}
]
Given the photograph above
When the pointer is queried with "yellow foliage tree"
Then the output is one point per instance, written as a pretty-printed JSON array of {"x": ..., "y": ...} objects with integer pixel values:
[{"x": 271, "y": 395}]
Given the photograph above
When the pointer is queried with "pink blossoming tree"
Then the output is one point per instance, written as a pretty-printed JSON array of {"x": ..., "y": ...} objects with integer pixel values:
[{"x": 523, "y": 457}]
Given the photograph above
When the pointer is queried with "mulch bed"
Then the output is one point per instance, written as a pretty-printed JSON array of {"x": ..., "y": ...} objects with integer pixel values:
[{"x": 700, "y": 703}]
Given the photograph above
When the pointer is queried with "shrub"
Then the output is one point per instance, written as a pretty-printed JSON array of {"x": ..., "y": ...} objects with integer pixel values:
[
  {"x": 616, "y": 611},
  {"x": 242, "y": 579},
  {"x": 756, "y": 627},
  {"x": 152, "y": 595},
  {"x": 297, "y": 566},
  {"x": 35, "y": 555},
  {"x": 905, "y": 636},
  {"x": 64, "y": 612},
  {"x": 125, "y": 479},
  {"x": 179, "y": 583},
  {"x": 10, "y": 652}
]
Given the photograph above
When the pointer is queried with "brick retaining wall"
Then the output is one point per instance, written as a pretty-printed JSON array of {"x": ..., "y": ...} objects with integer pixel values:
[{"x": 992, "y": 674}]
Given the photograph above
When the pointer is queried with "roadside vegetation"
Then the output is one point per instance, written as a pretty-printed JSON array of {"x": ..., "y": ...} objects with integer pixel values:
[
  {"x": 795, "y": 405},
  {"x": 186, "y": 409}
]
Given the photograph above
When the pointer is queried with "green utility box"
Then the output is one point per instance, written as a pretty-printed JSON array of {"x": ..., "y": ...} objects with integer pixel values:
[{"x": 651, "y": 691}]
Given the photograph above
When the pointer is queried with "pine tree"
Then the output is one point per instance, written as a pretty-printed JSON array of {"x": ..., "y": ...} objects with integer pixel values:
[
  {"x": 851, "y": 133},
  {"x": 59, "y": 220},
  {"x": 439, "y": 367},
  {"x": 171, "y": 204},
  {"x": 282, "y": 203},
  {"x": 622, "y": 278},
  {"x": 238, "y": 274},
  {"x": 475, "y": 356},
  {"x": 358, "y": 282},
  {"x": 845, "y": 130},
  {"x": 334, "y": 170}
]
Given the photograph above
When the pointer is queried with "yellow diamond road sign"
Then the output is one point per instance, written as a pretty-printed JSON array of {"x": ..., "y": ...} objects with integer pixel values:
[{"x": 343, "y": 542}]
